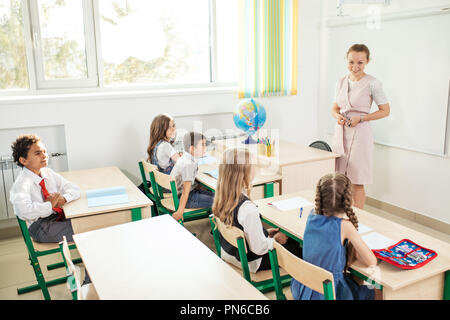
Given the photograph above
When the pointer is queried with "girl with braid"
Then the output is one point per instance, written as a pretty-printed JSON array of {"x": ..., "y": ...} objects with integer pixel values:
[{"x": 332, "y": 242}]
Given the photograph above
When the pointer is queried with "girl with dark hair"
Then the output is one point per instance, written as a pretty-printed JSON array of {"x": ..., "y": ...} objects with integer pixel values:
[{"x": 160, "y": 150}]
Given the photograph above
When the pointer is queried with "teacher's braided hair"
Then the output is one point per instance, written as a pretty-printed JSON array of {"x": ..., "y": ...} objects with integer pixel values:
[{"x": 333, "y": 196}]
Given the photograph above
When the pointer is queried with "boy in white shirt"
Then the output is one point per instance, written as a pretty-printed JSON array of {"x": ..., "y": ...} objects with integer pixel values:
[
  {"x": 39, "y": 193},
  {"x": 185, "y": 171}
]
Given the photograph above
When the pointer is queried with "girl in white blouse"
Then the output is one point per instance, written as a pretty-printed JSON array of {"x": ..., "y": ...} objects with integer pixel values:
[
  {"x": 233, "y": 206},
  {"x": 160, "y": 150}
]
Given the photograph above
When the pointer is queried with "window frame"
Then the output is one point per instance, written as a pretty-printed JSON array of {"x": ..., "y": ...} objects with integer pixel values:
[
  {"x": 36, "y": 40},
  {"x": 95, "y": 82}
]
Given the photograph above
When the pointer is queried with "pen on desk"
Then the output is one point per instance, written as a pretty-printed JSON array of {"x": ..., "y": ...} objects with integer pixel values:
[{"x": 301, "y": 211}]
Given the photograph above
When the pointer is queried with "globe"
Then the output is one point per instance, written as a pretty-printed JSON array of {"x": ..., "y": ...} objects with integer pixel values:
[{"x": 249, "y": 116}]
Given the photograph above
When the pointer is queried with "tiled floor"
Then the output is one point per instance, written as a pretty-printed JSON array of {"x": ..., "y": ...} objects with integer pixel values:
[{"x": 16, "y": 271}]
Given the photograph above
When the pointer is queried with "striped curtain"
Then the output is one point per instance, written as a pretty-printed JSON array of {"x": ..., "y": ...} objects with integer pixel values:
[{"x": 268, "y": 46}]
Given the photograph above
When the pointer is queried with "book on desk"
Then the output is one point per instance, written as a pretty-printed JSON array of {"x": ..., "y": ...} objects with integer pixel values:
[{"x": 106, "y": 196}]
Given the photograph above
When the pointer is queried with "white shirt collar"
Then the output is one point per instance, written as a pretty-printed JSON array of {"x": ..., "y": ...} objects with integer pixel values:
[{"x": 33, "y": 176}]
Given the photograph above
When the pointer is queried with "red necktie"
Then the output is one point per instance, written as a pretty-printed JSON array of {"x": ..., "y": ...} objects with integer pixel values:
[{"x": 45, "y": 193}]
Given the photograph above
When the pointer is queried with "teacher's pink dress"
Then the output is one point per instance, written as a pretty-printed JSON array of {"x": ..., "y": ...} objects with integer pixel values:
[{"x": 355, "y": 144}]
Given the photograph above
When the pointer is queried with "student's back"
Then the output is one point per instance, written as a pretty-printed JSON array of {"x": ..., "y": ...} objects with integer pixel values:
[
  {"x": 330, "y": 239},
  {"x": 322, "y": 247}
]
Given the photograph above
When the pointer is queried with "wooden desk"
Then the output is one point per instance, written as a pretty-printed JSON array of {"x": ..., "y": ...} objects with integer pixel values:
[
  {"x": 426, "y": 282},
  {"x": 85, "y": 218},
  {"x": 157, "y": 258},
  {"x": 300, "y": 166},
  {"x": 263, "y": 177}
]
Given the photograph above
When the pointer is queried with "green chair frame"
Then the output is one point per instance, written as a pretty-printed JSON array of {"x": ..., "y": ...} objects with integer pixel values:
[
  {"x": 149, "y": 192},
  {"x": 327, "y": 284},
  {"x": 263, "y": 286},
  {"x": 191, "y": 215},
  {"x": 33, "y": 256}
]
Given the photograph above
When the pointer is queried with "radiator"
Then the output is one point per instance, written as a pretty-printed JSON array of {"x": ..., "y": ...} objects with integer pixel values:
[{"x": 9, "y": 172}]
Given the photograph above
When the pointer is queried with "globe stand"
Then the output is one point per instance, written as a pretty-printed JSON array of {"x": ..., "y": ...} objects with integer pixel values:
[{"x": 249, "y": 140}]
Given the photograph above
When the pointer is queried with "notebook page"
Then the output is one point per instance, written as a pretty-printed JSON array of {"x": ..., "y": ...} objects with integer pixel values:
[
  {"x": 362, "y": 228},
  {"x": 291, "y": 203},
  {"x": 374, "y": 240}
]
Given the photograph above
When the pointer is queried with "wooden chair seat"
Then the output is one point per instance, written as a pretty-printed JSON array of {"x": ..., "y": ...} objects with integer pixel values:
[
  {"x": 260, "y": 275},
  {"x": 41, "y": 246}
]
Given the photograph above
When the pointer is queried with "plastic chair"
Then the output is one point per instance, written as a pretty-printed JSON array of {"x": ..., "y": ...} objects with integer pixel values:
[
  {"x": 170, "y": 204},
  {"x": 313, "y": 277},
  {"x": 86, "y": 292},
  {"x": 261, "y": 280},
  {"x": 320, "y": 145},
  {"x": 36, "y": 250}
]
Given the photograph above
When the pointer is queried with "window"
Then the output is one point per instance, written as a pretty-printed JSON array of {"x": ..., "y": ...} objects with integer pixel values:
[
  {"x": 117, "y": 43},
  {"x": 13, "y": 64},
  {"x": 63, "y": 46}
]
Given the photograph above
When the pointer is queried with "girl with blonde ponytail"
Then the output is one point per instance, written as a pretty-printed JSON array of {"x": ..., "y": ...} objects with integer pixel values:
[
  {"x": 331, "y": 240},
  {"x": 233, "y": 206}
]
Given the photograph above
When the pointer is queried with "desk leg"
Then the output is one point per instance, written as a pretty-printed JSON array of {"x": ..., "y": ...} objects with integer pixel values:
[
  {"x": 447, "y": 286},
  {"x": 268, "y": 190},
  {"x": 136, "y": 214}
]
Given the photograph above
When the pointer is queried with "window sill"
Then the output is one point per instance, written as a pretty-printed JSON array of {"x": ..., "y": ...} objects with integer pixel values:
[{"x": 109, "y": 93}]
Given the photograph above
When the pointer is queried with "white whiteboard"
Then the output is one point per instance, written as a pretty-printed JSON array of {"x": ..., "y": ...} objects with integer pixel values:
[{"x": 410, "y": 56}]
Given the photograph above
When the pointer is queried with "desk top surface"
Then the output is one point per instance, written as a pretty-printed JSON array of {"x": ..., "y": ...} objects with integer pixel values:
[
  {"x": 98, "y": 178},
  {"x": 285, "y": 152},
  {"x": 262, "y": 176},
  {"x": 157, "y": 258},
  {"x": 389, "y": 275}
]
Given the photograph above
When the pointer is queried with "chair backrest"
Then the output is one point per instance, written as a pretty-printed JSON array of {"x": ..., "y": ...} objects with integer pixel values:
[
  {"x": 73, "y": 273},
  {"x": 168, "y": 182},
  {"x": 146, "y": 168},
  {"x": 229, "y": 233},
  {"x": 313, "y": 277},
  {"x": 320, "y": 145}
]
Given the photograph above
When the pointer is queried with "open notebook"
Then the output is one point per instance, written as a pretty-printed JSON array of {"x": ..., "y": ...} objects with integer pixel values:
[
  {"x": 375, "y": 240},
  {"x": 106, "y": 196},
  {"x": 207, "y": 160},
  {"x": 291, "y": 204},
  {"x": 213, "y": 173}
]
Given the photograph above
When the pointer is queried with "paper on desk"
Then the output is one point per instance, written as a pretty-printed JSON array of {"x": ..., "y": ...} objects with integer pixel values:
[
  {"x": 374, "y": 240},
  {"x": 291, "y": 203},
  {"x": 106, "y": 196},
  {"x": 207, "y": 160},
  {"x": 362, "y": 228},
  {"x": 213, "y": 173}
]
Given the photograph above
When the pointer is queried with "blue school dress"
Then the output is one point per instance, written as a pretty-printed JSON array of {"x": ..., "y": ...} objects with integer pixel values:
[
  {"x": 322, "y": 247},
  {"x": 169, "y": 168}
]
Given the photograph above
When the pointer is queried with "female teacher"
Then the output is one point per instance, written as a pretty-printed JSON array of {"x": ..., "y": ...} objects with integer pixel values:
[{"x": 353, "y": 134}]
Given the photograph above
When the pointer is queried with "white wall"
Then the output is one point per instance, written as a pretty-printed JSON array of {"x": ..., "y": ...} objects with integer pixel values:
[
  {"x": 114, "y": 130},
  {"x": 415, "y": 181}
]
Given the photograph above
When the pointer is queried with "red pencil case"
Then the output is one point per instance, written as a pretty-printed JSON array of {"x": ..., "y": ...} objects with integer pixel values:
[{"x": 406, "y": 254}]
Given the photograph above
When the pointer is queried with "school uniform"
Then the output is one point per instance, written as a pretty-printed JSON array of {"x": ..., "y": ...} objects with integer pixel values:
[
  {"x": 27, "y": 198},
  {"x": 247, "y": 218},
  {"x": 355, "y": 144},
  {"x": 322, "y": 247},
  {"x": 186, "y": 169},
  {"x": 162, "y": 156}
]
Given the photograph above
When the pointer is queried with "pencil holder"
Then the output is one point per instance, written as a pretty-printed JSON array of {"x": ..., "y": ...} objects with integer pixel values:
[
  {"x": 268, "y": 151},
  {"x": 261, "y": 149}
]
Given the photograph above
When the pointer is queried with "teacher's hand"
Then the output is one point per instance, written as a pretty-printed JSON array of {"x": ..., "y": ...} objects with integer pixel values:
[
  {"x": 340, "y": 119},
  {"x": 353, "y": 121}
]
